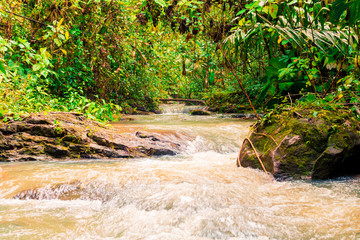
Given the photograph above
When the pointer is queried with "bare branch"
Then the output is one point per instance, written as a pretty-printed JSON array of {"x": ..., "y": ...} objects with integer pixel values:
[{"x": 27, "y": 18}]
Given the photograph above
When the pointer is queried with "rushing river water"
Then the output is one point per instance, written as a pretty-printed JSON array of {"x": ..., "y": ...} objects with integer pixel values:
[{"x": 199, "y": 194}]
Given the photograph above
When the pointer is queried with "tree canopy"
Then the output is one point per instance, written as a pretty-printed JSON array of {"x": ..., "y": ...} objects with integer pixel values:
[{"x": 103, "y": 57}]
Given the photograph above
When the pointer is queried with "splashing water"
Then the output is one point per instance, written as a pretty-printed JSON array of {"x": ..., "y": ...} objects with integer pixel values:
[
  {"x": 199, "y": 194},
  {"x": 179, "y": 108}
]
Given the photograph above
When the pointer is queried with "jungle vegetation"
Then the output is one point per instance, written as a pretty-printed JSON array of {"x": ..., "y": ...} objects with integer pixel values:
[{"x": 102, "y": 57}]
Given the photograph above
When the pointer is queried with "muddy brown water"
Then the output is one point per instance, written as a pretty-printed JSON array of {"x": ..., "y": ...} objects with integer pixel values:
[{"x": 199, "y": 194}]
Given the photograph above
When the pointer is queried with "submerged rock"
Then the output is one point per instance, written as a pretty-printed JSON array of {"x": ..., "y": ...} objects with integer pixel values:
[
  {"x": 71, "y": 135},
  {"x": 305, "y": 143},
  {"x": 65, "y": 191},
  {"x": 69, "y": 191}
]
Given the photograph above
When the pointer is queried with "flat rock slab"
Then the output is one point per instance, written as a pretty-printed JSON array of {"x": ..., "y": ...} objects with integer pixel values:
[{"x": 60, "y": 135}]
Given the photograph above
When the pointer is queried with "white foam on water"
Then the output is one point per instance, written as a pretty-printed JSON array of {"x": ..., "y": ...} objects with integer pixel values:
[
  {"x": 179, "y": 108},
  {"x": 199, "y": 194}
]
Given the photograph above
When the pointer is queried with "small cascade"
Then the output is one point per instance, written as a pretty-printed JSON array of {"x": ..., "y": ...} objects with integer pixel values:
[{"x": 179, "y": 108}]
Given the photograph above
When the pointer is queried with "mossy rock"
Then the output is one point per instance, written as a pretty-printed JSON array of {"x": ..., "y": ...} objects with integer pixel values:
[
  {"x": 305, "y": 143},
  {"x": 227, "y": 102}
]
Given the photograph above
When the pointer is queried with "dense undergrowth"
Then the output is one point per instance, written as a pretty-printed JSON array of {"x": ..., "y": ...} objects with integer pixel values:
[
  {"x": 106, "y": 57},
  {"x": 96, "y": 57}
]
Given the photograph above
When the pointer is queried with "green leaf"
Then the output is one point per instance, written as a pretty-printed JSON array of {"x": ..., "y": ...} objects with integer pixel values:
[
  {"x": 283, "y": 87},
  {"x": 118, "y": 108},
  {"x": 211, "y": 78},
  {"x": 161, "y": 3},
  {"x": 337, "y": 9},
  {"x": 44, "y": 73},
  {"x": 94, "y": 110},
  {"x": 272, "y": 10},
  {"x": 271, "y": 71},
  {"x": 354, "y": 9},
  {"x": 277, "y": 63},
  {"x": 2, "y": 68},
  {"x": 263, "y": 93},
  {"x": 309, "y": 98},
  {"x": 58, "y": 43},
  {"x": 36, "y": 67},
  {"x": 241, "y": 12}
]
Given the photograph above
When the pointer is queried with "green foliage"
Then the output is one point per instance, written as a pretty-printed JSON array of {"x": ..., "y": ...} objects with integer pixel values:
[
  {"x": 307, "y": 46},
  {"x": 99, "y": 57},
  {"x": 277, "y": 47},
  {"x": 25, "y": 80},
  {"x": 225, "y": 101},
  {"x": 102, "y": 50}
]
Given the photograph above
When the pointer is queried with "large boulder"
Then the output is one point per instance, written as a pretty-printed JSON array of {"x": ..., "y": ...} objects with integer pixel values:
[
  {"x": 58, "y": 135},
  {"x": 308, "y": 142}
]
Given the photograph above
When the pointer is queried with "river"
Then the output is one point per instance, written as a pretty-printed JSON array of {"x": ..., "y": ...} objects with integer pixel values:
[{"x": 199, "y": 194}]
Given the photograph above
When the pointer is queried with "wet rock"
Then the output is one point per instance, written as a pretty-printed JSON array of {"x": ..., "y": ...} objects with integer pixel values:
[
  {"x": 65, "y": 191},
  {"x": 242, "y": 115},
  {"x": 246, "y": 116},
  {"x": 69, "y": 191},
  {"x": 7, "y": 129},
  {"x": 114, "y": 142},
  {"x": 34, "y": 150},
  {"x": 56, "y": 151},
  {"x": 4, "y": 143},
  {"x": 39, "y": 130},
  {"x": 143, "y": 135},
  {"x": 71, "y": 135},
  {"x": 304, "y": 146},
  {"x": 13, "y": 156},
  {"x": 162, "y": 151},
  {"x": 36, "y": 119},
  {"x": 200, "y": 112},
  {"x": 157, "y": 111},
  {"x": 107, "y": 152},
  {"x": 25, "y": 158}
]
